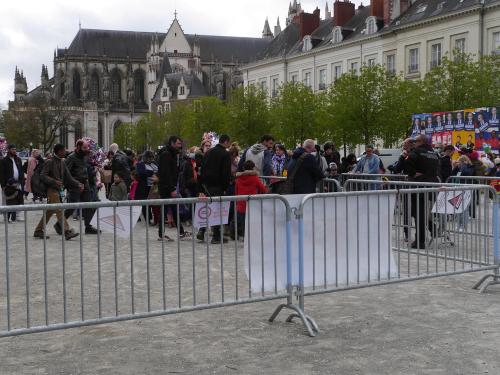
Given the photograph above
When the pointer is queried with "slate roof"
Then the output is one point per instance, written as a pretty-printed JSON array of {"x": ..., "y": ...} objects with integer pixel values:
[
  {"x": 134, "y": 44},
  {"x": 282, "y": 44}
]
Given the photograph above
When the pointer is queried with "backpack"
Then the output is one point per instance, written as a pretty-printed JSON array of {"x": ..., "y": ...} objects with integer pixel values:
[{"x": 37, "y": 185}]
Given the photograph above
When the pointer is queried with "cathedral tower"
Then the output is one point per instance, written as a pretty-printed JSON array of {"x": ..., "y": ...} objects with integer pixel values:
[{"x": 20, "y": 86}]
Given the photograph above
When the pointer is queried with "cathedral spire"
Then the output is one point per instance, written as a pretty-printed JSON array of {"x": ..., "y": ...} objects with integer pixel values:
[
  {"x": 267, "y": 33},
  {"x": 328, "y": 15},
  {"x": 277, "y": 28}
]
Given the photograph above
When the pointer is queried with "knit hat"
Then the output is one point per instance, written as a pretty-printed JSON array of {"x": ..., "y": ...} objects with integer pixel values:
[{"x": 474, "y": 155}]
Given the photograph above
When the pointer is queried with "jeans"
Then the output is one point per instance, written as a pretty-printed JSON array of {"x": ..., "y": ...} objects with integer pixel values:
[{"x": 84, "y": 196}]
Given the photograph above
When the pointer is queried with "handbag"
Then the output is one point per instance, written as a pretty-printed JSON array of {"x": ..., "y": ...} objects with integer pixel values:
[{"x": 286, "y": 187}]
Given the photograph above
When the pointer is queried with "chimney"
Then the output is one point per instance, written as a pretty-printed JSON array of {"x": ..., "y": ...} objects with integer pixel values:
[
  {"x": 343, "y": 11},
  {"x": 377, "y": 8},
  {"x": 388, "y": 9},
  {"x": 308, "y": 23}
]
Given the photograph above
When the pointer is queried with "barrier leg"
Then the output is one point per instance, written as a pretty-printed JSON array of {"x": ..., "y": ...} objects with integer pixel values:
[
  {"x": 496, "y": 253},
  {"x": 309, "y": 323}
]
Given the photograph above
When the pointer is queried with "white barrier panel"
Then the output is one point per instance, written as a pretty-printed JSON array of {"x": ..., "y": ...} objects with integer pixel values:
[
  {"x": 355, "y": 247},
  {"x": 121, "y": 217}
]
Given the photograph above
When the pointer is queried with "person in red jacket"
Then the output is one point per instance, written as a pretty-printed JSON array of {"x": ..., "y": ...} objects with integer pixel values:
[{"x": 247, "y": 183}]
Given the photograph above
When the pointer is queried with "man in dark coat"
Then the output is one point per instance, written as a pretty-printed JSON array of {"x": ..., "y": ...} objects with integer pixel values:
[
  {"x": 331, "y": 154},
  {"x": 215, "y": 178},
  {"x": 168, "y": 173},
  {"x": 308, "y": 173},
  {"x": 12, "y": 177},
  {"x": 421, "y": 165},
  {"x": 120, "y": 163}
]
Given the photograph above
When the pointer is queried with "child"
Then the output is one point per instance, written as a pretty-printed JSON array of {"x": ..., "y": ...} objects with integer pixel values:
[
  {"x": 247, "y": 183},
  {"x": 154, "y": 194},
  {"x": 133, "y": 185},
  {"x": 118, "y": 189}
]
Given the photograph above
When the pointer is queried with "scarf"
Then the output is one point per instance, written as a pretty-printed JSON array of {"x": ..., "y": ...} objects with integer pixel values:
[{"x": 278, "y": 164}]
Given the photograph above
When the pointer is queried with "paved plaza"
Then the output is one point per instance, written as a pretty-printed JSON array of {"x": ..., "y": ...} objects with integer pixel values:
[{"x": 438, "y": 326}]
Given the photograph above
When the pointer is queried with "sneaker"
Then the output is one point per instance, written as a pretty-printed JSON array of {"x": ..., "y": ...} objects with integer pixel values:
[
  {"x": 91, "y": 230},
  {"x": 185, "y": 236},
  {"x": 70, "y": 234},
  {"x": 57, "y": 228},
  {"x": 166, "y": 238},
  {"x": 40, "y": 234}
]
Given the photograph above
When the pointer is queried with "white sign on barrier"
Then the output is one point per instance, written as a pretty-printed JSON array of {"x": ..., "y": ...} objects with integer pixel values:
[
  {"x": 210, "y": 215},
  {"x": 452, "y": 202},
  {"x": 346, "y": 238},
  {"x": 119, "y": 218}
]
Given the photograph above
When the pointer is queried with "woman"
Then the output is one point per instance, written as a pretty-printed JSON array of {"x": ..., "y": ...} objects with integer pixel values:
[
  {"x": 145, "y": 170},
  {"x": 35, "y": 163},
  {"x": 463, "y": 167}
]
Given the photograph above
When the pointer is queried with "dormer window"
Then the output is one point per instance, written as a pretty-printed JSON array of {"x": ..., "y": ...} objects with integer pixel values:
[
  {"x": 371, "y": 25},
  {"x": 306, "y": 43},
  {"x": 181, "y": 90},
  {"x": 337, "y": 35}
]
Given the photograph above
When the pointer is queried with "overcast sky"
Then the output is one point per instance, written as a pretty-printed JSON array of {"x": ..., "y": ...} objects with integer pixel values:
[{"x": 30, "y": 30}]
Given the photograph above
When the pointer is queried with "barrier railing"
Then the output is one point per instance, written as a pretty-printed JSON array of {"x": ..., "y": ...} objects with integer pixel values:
[
  {"x": 348, "y": 250},
  {"x": 366, "y": 176},
  {"x": 123, "y": 272},
  {"x": 325, "y": 185}
]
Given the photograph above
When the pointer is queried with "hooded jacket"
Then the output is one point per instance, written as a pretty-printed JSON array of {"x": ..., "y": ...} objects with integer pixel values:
[
  {"x": 262, "y": 158},
  {"x": 248, "y": 183},
  {"x": 307, "y": 175}
]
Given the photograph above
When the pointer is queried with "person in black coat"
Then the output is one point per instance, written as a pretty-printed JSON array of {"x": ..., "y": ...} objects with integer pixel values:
[
  {"x": 446, "y": 167},
  {"x": 145, "y": 170},
  {"x": 12, "y": 178},
  {"x": 215, "y": 178},
  {"x": 168, "y": 174},
  {"x": 308, "y": 173}
]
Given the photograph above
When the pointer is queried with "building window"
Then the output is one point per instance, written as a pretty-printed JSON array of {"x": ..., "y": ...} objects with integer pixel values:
[
  {"x": 76, "y": 85},
  {"x": 167, "y": 107},
  {"x": 337, "y": 72},
  {"x": 165, "y": 93},
  {"x": 263, "y": 86},
  {"x": 322, "y": 79},
  {"x": 337, "y": 34},
  {"x": 182, "y": 90},
  {"x": 139, "y": 87},
  {"x": 78, "y": 131},
  {"x": 275, "y": 84},
  {"x": 354, "y": 67},
  {"x": 435, "y": 55},
  {"x": 390, "y": 64},
  {"x": 496, "y": 42},
  {"x": 372, "y": 61},
  {"x": 460, "y": 45},
  {"x": 413, "y": 58},
  {"x": 63, "y": 135},
  {"x": 159, "y": 109},
  {"x": 371, "y": 25},
  {"x": 294, "y": 78},
  {"x": 307, "y": 44},
  {"x": 100, "y": 134},
  {"x": 116, "y": 87},
  {"x": 94, "y": 87},
  {"x": 307, "y": 79}
]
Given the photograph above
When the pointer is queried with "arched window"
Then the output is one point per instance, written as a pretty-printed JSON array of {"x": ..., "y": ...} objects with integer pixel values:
[
  {"x": 94, "y": 86},
  {"x": 117, "y": 124},
  {"x": 78, "y": 131},
  {"x": 100, "y": 134},
  {"x": 371, "y": 25},
  {"x": 63, "y": 135},
  {"x": 116, "y": 87},
  {"x": 139, "y": 86},
  {"x": 77, "y": 92}
]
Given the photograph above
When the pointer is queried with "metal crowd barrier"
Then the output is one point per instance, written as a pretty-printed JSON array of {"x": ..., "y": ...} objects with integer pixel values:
[
  {"x": 324, "y": 186},
  {"x": 478, "y": 180},
  {"x": 353, "y": 251},
  {"x": 126, "y": 273},
  {"x": 293, "y": 246},
  {"x": 366, "y": 176}
]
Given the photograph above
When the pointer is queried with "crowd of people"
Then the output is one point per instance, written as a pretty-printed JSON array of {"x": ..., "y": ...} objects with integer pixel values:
[{"x": 216, "y": 167}]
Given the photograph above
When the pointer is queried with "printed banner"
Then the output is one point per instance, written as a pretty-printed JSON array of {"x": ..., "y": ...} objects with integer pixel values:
[
  {"x": 210, "y": 215},
  {"x": 118, "y": 218},
  {"x": 452, "y": 202}
]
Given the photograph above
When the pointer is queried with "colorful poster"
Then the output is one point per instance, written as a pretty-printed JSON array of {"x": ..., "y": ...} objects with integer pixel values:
[
  {"x": 462, "y": 138},
  {"x": 418, "y": 125}
]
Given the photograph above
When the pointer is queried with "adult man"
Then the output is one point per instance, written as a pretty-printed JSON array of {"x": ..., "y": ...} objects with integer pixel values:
[
  {"x": 446, "y": 166},
  {"x": 460, "y": 122},
  {"x": 369, "y": 162},
  {"x": 77, "y": 167},
  {"x": 458, "y": 144},
  {"x": 494, "y": 120},
  {"x": 481, "y": 123},
  {"x": 308, "y": 171},
  {"x": 469, "y": 124},
  {"x": 168, "y": 173},
  {"x": 421, "y": 165},
  {"x": 261, "y": 154},
  {"x": 120, "y": 163},
  {"x": 12, "y": 178},
  {"x": 56, "y": 176},
  {"x": 215, "y": 178},
  {"x": 448, "y": 126},
  {"x": 331, "y": 154}
]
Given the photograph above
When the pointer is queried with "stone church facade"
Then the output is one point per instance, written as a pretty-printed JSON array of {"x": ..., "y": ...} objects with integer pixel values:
[{"x": 106, "y": 78}]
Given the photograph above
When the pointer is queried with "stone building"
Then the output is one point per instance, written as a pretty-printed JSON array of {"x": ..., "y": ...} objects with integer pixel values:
[{"x": 106, "y": 78}]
